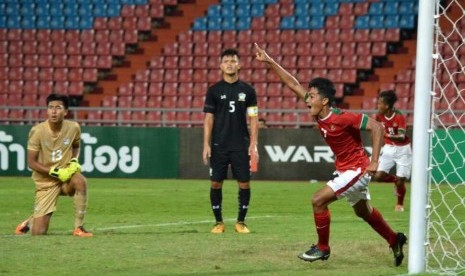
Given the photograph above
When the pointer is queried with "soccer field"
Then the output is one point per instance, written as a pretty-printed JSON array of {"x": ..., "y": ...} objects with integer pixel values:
[{"x": 162, "y": 227}]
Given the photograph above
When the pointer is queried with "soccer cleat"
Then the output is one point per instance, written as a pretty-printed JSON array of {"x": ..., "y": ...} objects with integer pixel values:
[
  {"x": 401, "y": 239},
  {"x": 218, "y": 228},
  {"x": 81, "y": 232},
  {"x": 22, "y": 228},
  {"x": 314, "y": 254},
  {"x": 399, "y": 208},
  {"x": 241, "y": 228}
]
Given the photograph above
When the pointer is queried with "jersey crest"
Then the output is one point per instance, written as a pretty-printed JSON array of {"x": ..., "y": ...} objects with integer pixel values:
[{"x": 241, "y": 97}]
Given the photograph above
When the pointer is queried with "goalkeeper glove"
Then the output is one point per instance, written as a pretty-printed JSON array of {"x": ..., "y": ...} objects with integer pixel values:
[
  {"x": 74, "y": 165},
  {"x": 64, "y": 174}
]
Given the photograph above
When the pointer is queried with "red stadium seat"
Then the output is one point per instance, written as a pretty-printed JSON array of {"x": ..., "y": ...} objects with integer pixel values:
[
  {"x": 90, "y": 75},
  {"x": 364, "y": 62},
  {"x": 318, "y": 49},
  {"x": 302, "y": 36},
  {"x": 185, "y": 88},
  {"x": 346, "y": 8},
  {"x": 334, "y": 48},
  {"x": 349, "y": 76},
  {"x": 170, "y": 89},
  {"x": 332, "y": 35},
  {"x": 45, "y": 87},
  {"x": 140, "y": 88},
  {"x": 185, "y": 75},
  {"x": 126, "y": 89},
  {"x": 88, "y": 48},
  {"x": 379, "y": 49},
  {"x": 131, "y": 36},
  {"x": 303, "y": 48},
  {"x": 139, "y": 101},
  {"x": 155, "y": 89},
  {"x": 348, "y": 48},
  {"x": 363, "y": 48},
  {"x": 31, "y": 73},
  {"x": 335, "y": 74},
  {"x": 60, "y": 61},
  {"x": 76, "y": 88},
  {"x": 104, "y": 62}
]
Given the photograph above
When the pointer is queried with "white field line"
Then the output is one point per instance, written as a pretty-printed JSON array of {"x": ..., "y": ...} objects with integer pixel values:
[{"x": 173, "y": 223}]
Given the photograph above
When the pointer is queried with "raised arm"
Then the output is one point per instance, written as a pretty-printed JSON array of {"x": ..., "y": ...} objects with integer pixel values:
[{"x": 284, "y": 75}]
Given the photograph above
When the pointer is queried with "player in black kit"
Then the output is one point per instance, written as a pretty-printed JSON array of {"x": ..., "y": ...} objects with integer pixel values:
[{"x": 227, "y": 140}]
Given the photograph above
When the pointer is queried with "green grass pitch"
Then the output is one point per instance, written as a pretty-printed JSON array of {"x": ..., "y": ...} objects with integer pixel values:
[{"x": 162, "y": 227}]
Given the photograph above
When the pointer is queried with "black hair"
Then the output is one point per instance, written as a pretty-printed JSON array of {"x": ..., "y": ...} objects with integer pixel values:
[
  {"x": 389, "y": 97},
  {"x": 58, "y": 97},
  {"x": 230, "y": 52},
  {"x": 325, "y": 88}
]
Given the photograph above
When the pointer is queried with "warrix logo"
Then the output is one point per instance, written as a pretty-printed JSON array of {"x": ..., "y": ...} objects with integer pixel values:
[
  {"x": 295, "y": 154},
  {"x": 299, "y": 154}
]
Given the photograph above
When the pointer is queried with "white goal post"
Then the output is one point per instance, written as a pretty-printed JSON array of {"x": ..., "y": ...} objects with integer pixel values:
[{"x": 437, "y": 208}]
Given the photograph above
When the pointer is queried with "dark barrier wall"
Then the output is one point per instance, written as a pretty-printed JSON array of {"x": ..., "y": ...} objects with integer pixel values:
[
  {"x": 285, "y": 154},
  {"x": 105, "y": 151}
]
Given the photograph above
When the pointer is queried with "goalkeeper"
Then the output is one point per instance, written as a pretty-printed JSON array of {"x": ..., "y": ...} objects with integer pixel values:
[{"x": 52, "y": 151}]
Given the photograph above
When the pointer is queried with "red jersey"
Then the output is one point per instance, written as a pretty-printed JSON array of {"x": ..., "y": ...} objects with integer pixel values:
[
  {"x": 394, "y": 125},
  {"x": 341, "y": 130}
]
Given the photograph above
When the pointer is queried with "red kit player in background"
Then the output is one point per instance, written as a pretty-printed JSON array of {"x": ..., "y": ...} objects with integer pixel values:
[
  {"x": 341, "y": 130},
  {"x": 397, "y": 150}
]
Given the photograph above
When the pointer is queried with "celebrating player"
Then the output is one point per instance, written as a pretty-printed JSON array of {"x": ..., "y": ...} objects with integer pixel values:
[
  {"x": 397, "y": 150},
  {"x": 341, "y": 130},
  {"x": 52, "y": 154},
  {"x": 226, "y": 137}
]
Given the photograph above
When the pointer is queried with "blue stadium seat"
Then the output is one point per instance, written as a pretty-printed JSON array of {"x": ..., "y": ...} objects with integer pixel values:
[
  {"x": 362, "y": 22},
  {"x": 86, "y": 22},
  {"x": 301, "y": 9},
  {"x": 302, "y": 22},
  {"x": 316, "y": 8},
  {"x": 57, "y": 22},
  {"x": 228, "y": 10},
  {"x": 287, "y": 23},
  {"x": 257, "y": 10},
  {"x": 407, "y": 21},
  {"x": 28, "y": 22},
  {"x": 43, "y": 22},
  {"x": 99, "y": 10},
  {"x": 42, "y": 9},
  {"x": 243, "y": 10},
  {"x": 200, "y": 24},
  {"x": 317, "y": 22},
  {"x": 27, "y": 9},
  {"x": 331, "y": 8},
  {"x": 72, "y": 22},
  {"x": 228, "y": 23},
  {"x": 214, "y": 10},
  {"x": 376, "y": 8},
  {"x": 406, "y": 7},
  {"x": 84, "y": 10},
  {"x": 70, "y": 9},
  {"x": 113, "y": 10},
  {"x": 391, "y": 21},
  {"x": 391, "y": 8},
  {"x": 243, "y": 23},
  {"x": 376, "y": 22},
  {"x": 2, "y": 21},
  {"x": 214, "y": 23},
  {"x": 12, "y": 8},
  {"x": 13, "y": 21},
  {"x": 56, "y": 9}
]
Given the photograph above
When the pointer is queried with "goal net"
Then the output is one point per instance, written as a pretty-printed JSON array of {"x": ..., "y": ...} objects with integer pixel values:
[{"x": 445, "y": 245}]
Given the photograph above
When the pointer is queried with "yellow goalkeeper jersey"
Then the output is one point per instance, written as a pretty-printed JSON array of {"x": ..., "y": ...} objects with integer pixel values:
[{"x": 55, "y": 150}]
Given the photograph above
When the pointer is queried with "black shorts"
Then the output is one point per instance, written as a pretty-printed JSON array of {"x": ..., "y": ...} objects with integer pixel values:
[{"x": 239, "y": 161}]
